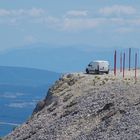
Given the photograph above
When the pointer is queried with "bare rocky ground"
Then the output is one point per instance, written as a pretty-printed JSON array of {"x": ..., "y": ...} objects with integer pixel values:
[{"x": 86, "y": 107}]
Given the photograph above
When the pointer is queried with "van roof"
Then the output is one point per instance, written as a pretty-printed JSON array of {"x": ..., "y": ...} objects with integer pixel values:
[{"x": 98, "y": 61}]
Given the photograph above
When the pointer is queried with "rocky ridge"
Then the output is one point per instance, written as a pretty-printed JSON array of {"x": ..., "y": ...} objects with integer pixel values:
[{"x": 85, "y": 107}]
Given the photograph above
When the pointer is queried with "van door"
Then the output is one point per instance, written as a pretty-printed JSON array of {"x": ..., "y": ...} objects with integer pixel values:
[{"x": 102, "y": 66}]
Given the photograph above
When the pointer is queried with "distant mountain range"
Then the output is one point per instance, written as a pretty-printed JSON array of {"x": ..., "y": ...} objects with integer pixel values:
[
  {"x": 60, "y": 58},
  {"x": 18, "y": 76},
  {"x": 57, "y": 58}
]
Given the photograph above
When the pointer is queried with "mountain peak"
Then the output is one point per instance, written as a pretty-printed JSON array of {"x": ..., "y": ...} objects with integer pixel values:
[{"x": 81, "y": 106}]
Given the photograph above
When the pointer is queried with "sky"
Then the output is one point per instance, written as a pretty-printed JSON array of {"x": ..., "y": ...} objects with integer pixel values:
[{"x": 85, "y": 24}]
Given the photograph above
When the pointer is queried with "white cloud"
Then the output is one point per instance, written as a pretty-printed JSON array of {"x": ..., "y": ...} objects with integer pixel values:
[
  {"x": 53, "y": 22},
  {"x": 33, "y": 12},
  {"x": 72, "y": 24},
  {"x": 36, "y": 12},
  {"x": 4, "y": 12},
  {"x": 81, "y": 23},
  {"x": 117, "y": 10},
  {"x": 19, "y": 16},
  {"x": 124, "y": 30},
  {"x": 77, "y": 13},
  {"x": 73, "y": 20},
  {"x": 119, "y": 21},
  {"x": 135, "y": 21}
]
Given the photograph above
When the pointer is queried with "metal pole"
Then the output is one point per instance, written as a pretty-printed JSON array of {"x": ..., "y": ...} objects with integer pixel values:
[
  {"x": 129, "y": 59},
  {"x": 121, "y": 62},
  {"x": 123, "y": 65},
  {"x": 136, "y": 66},
  {"x": 115, "y": 63}
]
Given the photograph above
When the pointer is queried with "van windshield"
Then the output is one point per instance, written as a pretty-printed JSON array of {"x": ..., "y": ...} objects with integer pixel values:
[{"x": 90, "y": 64}]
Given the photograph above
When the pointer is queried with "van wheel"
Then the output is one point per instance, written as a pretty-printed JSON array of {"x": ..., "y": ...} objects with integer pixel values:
[
  {"x": 87, "y": 71},
  {"x": 98, "y": 72},
  {"x": 107, "y": 72}
]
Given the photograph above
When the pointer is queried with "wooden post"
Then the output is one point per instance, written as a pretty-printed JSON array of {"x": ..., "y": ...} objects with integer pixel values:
[
  {"x": 121, "y": 62},
  {"x": 115, "y": 54},
  {"x": 129, "y": 59},
  {"x": 123, "y": 65}
]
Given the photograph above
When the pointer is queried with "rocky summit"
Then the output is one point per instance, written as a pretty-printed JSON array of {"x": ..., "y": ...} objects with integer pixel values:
[{"x": 85, "y": 107}]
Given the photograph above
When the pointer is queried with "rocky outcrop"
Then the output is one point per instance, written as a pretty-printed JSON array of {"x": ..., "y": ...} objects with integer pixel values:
[{"x": 85, "y": 107}]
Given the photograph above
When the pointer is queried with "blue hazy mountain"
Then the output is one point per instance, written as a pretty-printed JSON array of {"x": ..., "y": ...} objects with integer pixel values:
[
  {"x": 20, "y": 90},
  {"x": 58, "y": 58},
  {"x": 26, "y": 76}
]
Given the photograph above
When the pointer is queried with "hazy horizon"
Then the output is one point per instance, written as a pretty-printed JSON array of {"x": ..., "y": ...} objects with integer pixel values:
[{"x": 52, "y": 34}]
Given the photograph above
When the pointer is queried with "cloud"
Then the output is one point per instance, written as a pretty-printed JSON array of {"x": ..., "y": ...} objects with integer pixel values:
[
  {"x": 73, "y": 20},
  {"x": 17, "y": 17},
  {"x": 76, "y": 13},
  {"x": 78, "y": 20},
  {"x": 33, "y": 12},
  {"x": 4, "y": 12},
  {"x": 52, "y": 22},
  {"x": 72, "y": 23},
  {"x": 124, "y": 30},
  {"x": 81, "y": 23},
  {"x": 86, "y": 23},
  {"x": 135, "y": 21},
  {"x": 117, "y": 10}
]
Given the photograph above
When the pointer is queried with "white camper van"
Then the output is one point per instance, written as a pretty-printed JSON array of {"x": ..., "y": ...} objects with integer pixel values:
[{"x": 98, "y": 67}]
